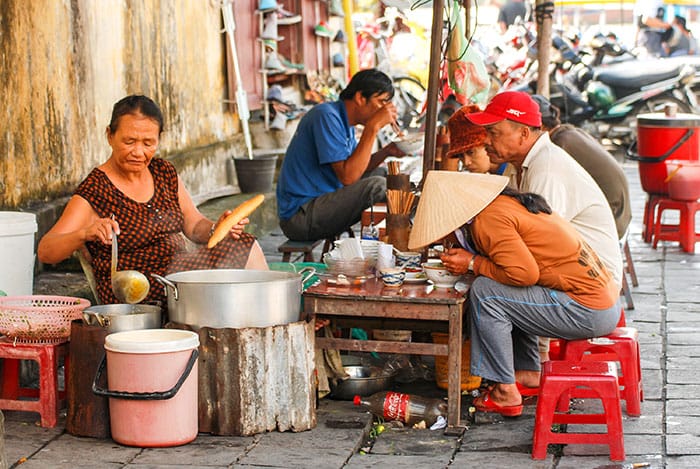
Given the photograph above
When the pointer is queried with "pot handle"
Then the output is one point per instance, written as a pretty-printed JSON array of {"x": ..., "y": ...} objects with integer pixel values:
[
  {"x": 167, "y": 283},
  {"x": 632, "y": 154},
  {"x": 306, "y": 273},
  {"x": 143, "y": 396}
]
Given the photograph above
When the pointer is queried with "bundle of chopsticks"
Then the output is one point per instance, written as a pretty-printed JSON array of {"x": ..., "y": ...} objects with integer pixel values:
[
  {"x": 399, "y": 202},
  {"x": 394, "y": 167}
]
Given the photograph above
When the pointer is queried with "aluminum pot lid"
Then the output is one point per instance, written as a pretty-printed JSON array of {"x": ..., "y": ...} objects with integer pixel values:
[{"x": 660, "y": 119}]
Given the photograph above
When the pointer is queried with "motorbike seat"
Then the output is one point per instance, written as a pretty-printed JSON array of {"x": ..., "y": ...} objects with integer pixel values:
[{"x": 637, "y": 74}]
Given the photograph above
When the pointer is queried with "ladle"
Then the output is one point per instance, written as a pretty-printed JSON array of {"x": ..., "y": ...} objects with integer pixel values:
[{"x": 129, "y": 286}]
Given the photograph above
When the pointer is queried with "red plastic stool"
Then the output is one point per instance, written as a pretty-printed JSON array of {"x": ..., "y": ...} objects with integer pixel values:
[
  {"x": 561, "y": 380},
  {"x": 556, "y": 346},
  {"x": 685, "y": 231},
  {"x": 621, "y": 345},
  {"x": 48, "y": 396},
  {"x": 649, "y": 215}
]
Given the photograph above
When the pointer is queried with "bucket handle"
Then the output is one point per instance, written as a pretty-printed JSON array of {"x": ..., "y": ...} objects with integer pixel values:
[
  {"x": 306, "y": 274},
  {"x": 632, "y": 154},
  {"x": 143, "y": 396},
  {"x": 167, "y": 283}
]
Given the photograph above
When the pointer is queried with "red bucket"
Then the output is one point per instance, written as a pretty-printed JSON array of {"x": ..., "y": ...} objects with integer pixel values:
[{"x": 661, "y": 137}]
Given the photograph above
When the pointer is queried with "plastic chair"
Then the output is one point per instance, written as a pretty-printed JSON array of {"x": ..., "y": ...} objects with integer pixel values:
[
  {"x": 621, "y": 345},
  {"x": 684, "y": 232},
  {"x": 48, "y": 394},
  {"x": 628, "y": 270},
  {"x": 562, "y": 380},
  {"x": 649, "y": 216}
]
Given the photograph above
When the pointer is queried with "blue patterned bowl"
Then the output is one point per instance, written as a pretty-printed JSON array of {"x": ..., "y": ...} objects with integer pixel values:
[{"x": 392, "y": 277}]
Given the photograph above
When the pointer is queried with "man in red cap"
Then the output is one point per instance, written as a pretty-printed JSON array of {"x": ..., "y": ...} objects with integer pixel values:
[{"x": 514, "y": 134}]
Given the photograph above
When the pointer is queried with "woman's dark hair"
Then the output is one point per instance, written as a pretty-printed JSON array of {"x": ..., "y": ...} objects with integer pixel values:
[
  {"x": 534, "y": 203},
  {"x": 369, "y": 83},
  {"x": 134, "y": 104}
]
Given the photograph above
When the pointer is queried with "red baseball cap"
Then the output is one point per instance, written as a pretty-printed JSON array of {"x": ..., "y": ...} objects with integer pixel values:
[{"x": 516, "y": 106}]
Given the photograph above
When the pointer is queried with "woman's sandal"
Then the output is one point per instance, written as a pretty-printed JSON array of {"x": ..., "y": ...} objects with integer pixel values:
[
  {"x": 487, "y": 405},
  {"x": 527, "y": 391}
]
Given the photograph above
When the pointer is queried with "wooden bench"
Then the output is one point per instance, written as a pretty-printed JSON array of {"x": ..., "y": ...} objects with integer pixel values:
[{"x": 305, "y": 249}]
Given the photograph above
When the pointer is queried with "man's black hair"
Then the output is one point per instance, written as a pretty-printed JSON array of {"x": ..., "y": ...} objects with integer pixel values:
[{"x": 368, "y": 82}]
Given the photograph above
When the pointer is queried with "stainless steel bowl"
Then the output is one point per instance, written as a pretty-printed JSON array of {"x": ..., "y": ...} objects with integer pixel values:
[{"x": 363, "y": 381}]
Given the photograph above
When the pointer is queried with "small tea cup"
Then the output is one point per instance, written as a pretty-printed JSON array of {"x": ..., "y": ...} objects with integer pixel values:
[{"x": 392, "y": 277}]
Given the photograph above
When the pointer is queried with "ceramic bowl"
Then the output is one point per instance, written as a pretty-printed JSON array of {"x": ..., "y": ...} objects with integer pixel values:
[
  {"x": 408, "y": 260},
  {"x": 392, "y": 277},
  {"x": 411, "y": 143},
  {"x": 439, "y": 275}
]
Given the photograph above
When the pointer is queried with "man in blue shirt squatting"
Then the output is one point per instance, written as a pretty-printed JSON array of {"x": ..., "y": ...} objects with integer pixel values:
[{"x": 324, "y": 185}]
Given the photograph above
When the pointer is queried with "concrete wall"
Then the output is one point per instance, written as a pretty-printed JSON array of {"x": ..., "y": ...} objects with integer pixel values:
[{"x": 63, "y": 64}]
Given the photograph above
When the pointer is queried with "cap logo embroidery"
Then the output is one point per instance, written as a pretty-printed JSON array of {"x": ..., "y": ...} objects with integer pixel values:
[{"x": 515, "y": 112}]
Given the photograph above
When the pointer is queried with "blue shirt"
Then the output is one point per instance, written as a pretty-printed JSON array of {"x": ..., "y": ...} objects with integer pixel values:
[{"x": 323, "y": 136}]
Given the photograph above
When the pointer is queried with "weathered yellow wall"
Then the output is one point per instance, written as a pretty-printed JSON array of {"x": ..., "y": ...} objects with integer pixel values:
[{"x": 63, "y": 64}]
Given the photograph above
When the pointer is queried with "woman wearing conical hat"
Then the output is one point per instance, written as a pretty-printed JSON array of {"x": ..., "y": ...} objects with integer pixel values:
[{"x": 535, "y": 277}]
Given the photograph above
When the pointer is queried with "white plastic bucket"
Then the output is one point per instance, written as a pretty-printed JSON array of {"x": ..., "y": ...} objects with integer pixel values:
[
  {"x": 142, "y": 366},
  {"x": 17, "y": 231}
]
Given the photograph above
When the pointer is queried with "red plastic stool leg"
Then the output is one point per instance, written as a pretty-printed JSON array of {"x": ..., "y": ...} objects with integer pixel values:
[
  {"x": 621, "y": 346},
  {"x": 599, "y": 380}
]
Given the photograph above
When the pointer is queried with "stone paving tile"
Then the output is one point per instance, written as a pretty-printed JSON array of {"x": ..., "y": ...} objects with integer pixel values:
[
  {"x": 685, "y": 444},
  {"x": 682, "y": 350},
  {"x": 683, "y": 376},
  {"x": 682, "y": 391},
  {"x": 173, "y": 466},
  {"x": 649, "y": 338},
  {"x": 683, "y": 338},
  {"x": 683, "y": 462},
  {"x": 500, "y": 459},
  {"x": 491, "y": 436},
  {"x": 651, "y": 356},
  {"x": 23, "y": 435},
  {"x": 601, "y": 462},
  {"x": 410, "y": 442},
  {"x": 649, "y": 423},
  {"x": 680, "y": 424},
  {"x": 652, "y": 381},
  {"x": 205, "y": 450},
  {"x": 638, "y": 445},
  {"x": 70, "y": 451},
  {"x": 683, "y": 407},
  {"x": 683, "y": 362},
  {"x": 374, "y": 461}
]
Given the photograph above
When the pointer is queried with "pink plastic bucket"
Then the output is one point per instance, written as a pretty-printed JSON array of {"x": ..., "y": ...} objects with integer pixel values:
[{"x": 152, "y": 380}]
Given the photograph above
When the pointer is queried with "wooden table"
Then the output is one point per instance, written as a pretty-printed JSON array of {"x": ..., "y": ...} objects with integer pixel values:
[{"x": 371, "y": 305}]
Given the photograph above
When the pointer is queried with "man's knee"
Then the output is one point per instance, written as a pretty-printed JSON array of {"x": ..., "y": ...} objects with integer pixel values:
[{"x": 376, "y": 188}]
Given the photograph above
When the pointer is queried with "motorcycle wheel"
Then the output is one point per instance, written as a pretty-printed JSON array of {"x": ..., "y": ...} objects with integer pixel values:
[{"x": 409, "y": 94}]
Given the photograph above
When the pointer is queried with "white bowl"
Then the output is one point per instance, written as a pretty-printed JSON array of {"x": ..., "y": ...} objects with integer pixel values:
[
  {"x": 411, "y": 143},
  {"x": 439, "y": 275}
]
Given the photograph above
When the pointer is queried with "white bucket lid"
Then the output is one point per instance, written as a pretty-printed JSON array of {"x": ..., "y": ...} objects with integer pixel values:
[
  {"x": 17, "y": 223},
  {"x": 152, "y": 341}
]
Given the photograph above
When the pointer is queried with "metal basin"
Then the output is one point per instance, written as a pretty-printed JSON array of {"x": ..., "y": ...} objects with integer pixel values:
[
  {"x": 123, "y": 317},
  {"x": 363, "y": 381}
]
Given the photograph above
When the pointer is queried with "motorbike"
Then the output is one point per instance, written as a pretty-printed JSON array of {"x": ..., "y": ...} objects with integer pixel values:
[{"x": 605, "y": 99}]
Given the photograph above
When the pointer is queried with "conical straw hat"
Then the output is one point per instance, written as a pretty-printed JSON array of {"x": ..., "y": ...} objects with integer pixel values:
[{"x": 449, "y": 200}]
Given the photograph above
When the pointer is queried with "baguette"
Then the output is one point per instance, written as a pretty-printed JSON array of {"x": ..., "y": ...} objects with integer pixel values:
[{"x": 238, "y": 214}]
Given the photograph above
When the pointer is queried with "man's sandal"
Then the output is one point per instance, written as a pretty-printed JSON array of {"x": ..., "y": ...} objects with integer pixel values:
[{"x": 486, "y": 404}]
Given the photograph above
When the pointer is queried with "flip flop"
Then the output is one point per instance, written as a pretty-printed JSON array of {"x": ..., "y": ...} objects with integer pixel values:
[
  {"x": 526, "y": 391},
  {"x": 487, "y": 405}
]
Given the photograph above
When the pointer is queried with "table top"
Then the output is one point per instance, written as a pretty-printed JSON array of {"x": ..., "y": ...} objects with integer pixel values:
[{"x": 373, "y": 289}]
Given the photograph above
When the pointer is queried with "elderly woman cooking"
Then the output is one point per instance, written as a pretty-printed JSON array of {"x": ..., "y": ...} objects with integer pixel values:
[
  {"x": 535, "y": 277},
  {"x": 141, "y": 199}
]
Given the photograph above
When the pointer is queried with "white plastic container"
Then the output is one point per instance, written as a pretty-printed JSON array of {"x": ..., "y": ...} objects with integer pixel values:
[
  {"x": 152, "y": 361},
  {"x": 17, "y": 230}
]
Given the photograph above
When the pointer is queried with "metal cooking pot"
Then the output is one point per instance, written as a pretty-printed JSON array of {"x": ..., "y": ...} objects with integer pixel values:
[
  {"x": 234, "y": 298},
  {"x": 123, "y": 317}
]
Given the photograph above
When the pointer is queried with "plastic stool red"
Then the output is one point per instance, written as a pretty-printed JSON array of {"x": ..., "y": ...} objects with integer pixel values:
[
  {"x": 562, "y": 380},
  {"x": 48, "y": 394},
  {"x": 684, "y": 232},
  {"x": 621, "y": 345},
  {"x": 556, "y": 346}
]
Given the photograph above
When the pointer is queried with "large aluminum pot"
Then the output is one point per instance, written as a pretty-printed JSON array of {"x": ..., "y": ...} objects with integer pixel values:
[
  {"x": 123, "y": 317},
  {"x": 233, "y": 298}
]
